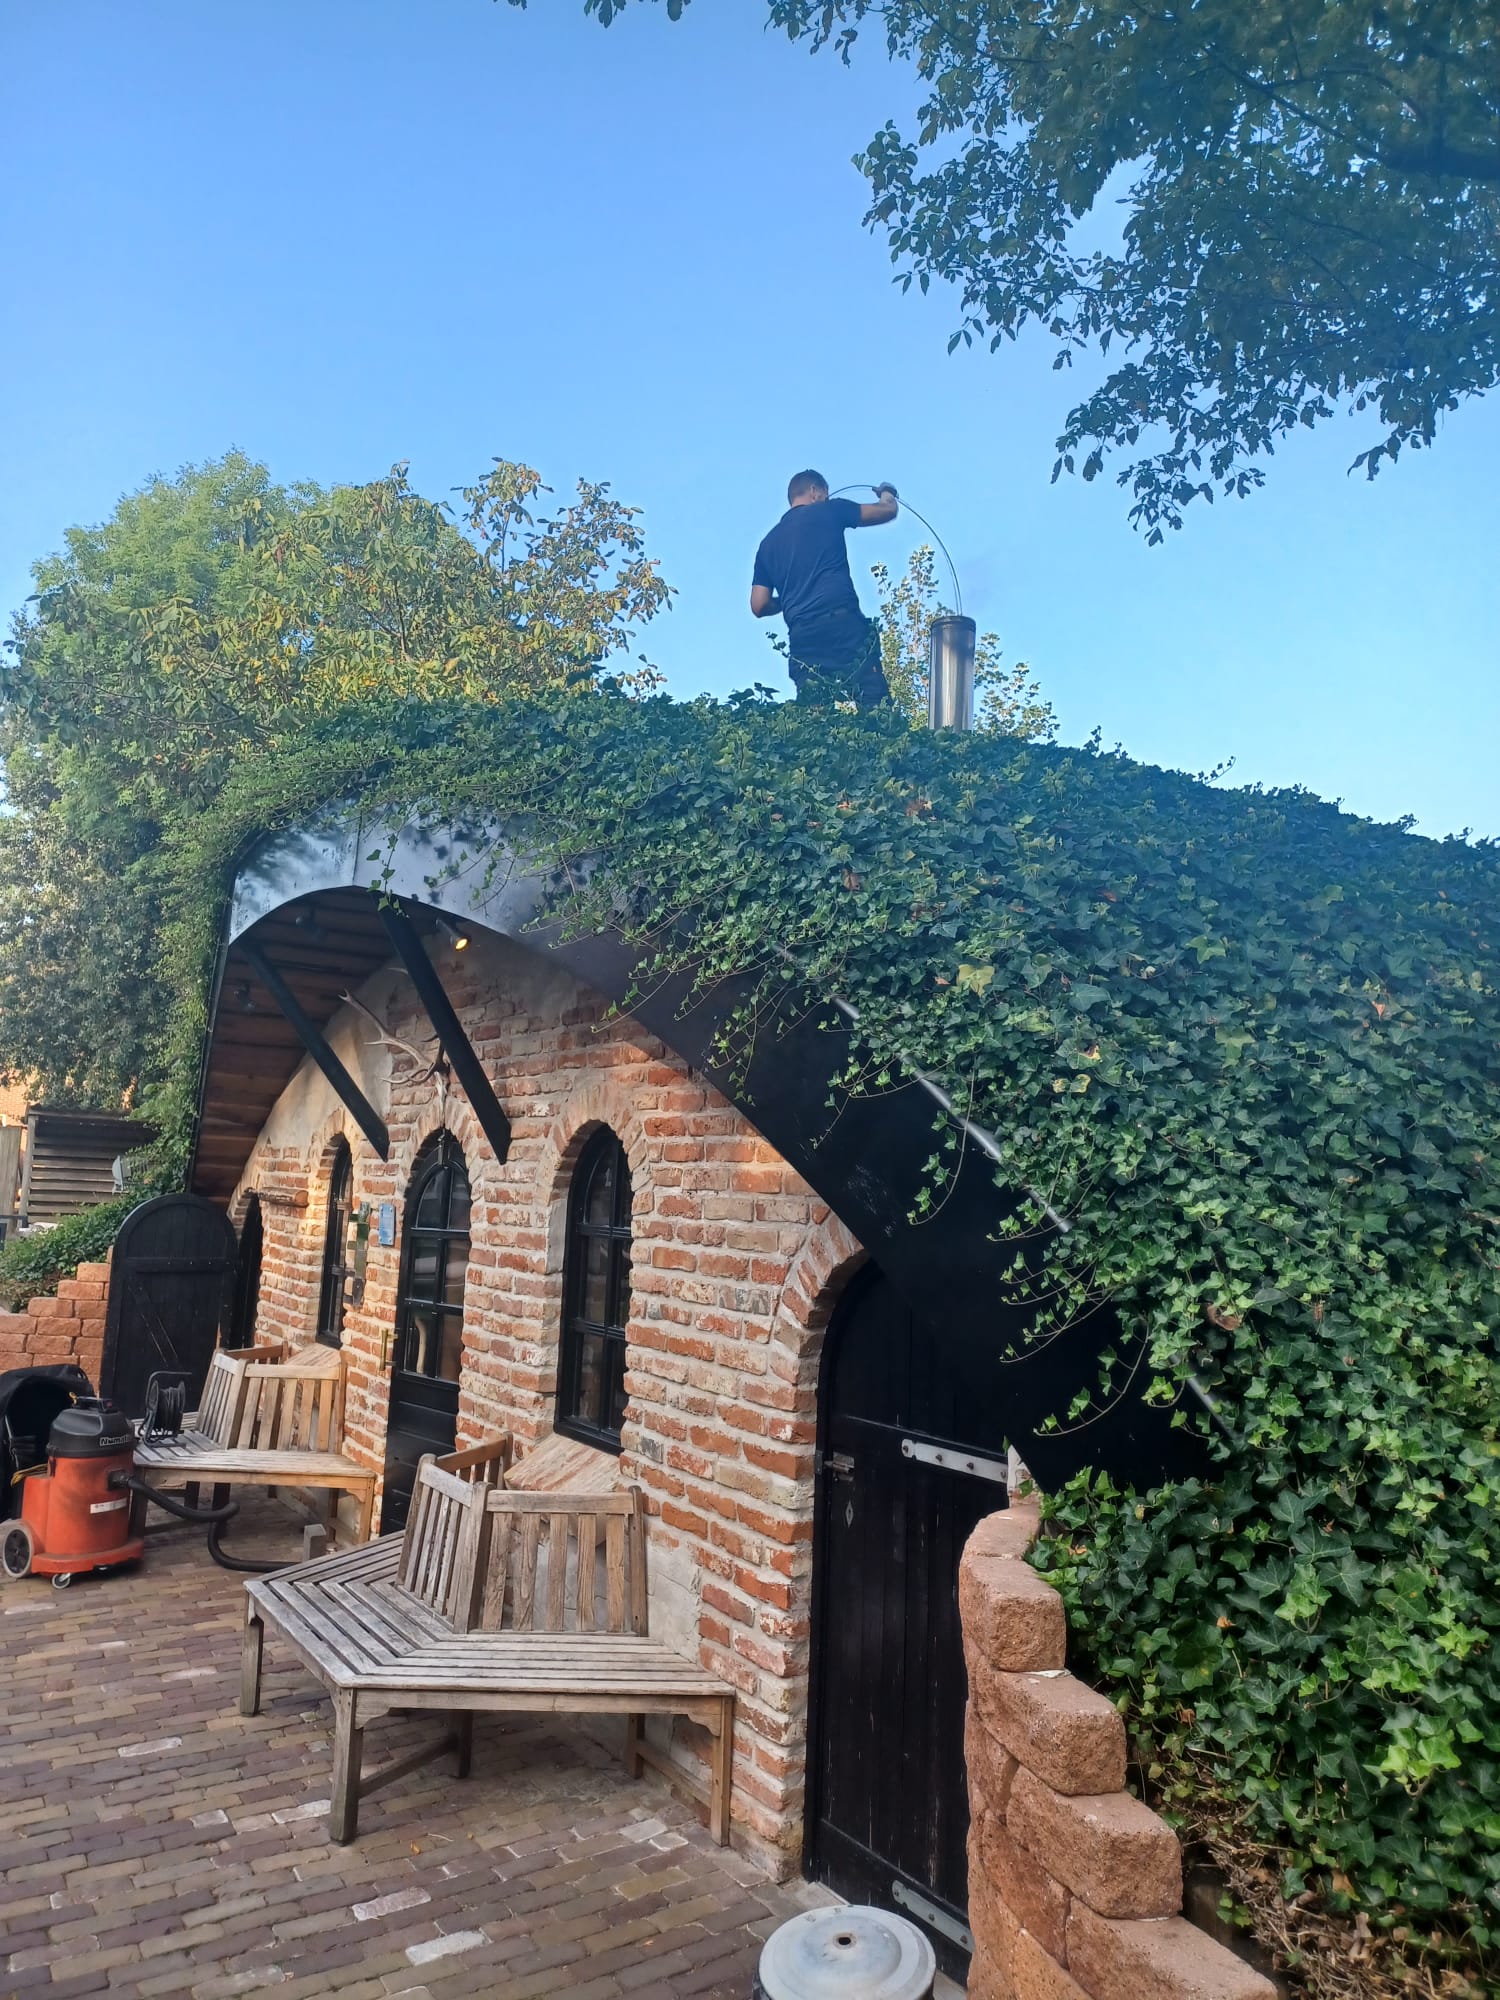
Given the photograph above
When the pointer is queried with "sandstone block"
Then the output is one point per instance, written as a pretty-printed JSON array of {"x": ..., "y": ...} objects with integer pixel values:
[
  {"x": 988, "y": 1765},
  {"x": 1010, "y": 1532},
  {"x": 84, "y": 1291},
  {"x": 1069, "y": 1736},
  {"x": 41, "y": 1309},
  {"x": 44, "y": 1349},
  {"x": 1011, "y": 1618},
  {"x": 95, "y": 1273},
  {"x": 1165, "y": 1958},
  {"x": 995, "y": 1927},
  {"x": 16, "y": 1326},
  {"x": 1111, "y": 1850},
  {"x": 1024, "y": 1885},
  {"x": 1036, "y": 1974},
  {"x": 987, "y": 1981}
]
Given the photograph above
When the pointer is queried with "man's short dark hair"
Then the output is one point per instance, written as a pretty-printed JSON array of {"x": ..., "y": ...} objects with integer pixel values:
[{"x": 806, "y": 482}]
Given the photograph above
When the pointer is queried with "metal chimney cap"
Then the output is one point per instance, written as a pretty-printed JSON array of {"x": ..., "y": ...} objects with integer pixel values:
[{"x": 854, "y": 1953}]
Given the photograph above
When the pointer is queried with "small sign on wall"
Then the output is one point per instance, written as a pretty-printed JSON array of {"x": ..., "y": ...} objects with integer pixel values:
[{"x": 387, "y": 1224}]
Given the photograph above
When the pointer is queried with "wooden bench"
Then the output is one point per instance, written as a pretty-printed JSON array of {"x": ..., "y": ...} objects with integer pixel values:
[
  {"x": 491, "y": 1600},
  {"x": 266, "y": 1423}
]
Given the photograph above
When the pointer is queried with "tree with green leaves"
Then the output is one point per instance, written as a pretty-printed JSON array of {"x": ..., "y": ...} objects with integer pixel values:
[
  {"x": 216, "y": 615},
  {"x": 1006, "y": 698},
  {"x": 1311, "y": 212}
]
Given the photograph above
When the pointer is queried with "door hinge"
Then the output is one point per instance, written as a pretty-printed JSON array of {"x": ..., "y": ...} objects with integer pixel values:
[
  {"x": 952, "y": 1460},
  {"x": 929, "y": 1914}
]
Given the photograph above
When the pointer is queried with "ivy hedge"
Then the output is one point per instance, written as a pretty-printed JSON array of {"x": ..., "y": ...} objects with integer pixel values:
[
  {"x": 1249, "y": 1044},
  {"x": 32, "y": 1265}
]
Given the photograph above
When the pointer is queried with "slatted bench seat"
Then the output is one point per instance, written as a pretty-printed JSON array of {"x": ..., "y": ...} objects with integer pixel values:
[
  {"x": 491, "y": 1601},
  {"x": 266, "y": 1423}
]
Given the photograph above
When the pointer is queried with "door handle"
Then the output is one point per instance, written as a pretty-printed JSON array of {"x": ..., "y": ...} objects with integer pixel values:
[{"x": 840, "y": 1464}]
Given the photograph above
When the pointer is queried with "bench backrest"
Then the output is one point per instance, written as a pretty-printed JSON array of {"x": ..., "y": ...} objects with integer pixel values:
[
  {"x": 292, "y": 1405},
  {"x": 219, "y": 1406},
  {"x": 445, "y": 1529},
  {"x": 564, "y": 1562}
]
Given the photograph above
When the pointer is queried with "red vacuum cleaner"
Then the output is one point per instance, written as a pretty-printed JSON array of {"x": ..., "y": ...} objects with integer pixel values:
[{"x": 75, "y": 1512}]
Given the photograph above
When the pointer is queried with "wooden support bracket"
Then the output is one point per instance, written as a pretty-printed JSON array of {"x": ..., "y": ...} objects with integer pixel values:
[
  {"x": 454, "y": 1043},
  {"x": 311, "y": 1037}
]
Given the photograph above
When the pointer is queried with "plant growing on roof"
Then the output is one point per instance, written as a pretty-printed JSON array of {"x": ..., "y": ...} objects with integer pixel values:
[{"x": 1247, "y": 1044}]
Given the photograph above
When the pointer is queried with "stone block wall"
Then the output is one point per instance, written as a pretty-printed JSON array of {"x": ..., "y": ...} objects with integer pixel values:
[
  {"x": 66, "y": 1326},
  {"x": 1075, "y": 1887}
]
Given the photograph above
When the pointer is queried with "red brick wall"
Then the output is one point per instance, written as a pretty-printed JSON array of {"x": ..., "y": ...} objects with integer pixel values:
[
  {"x": 67, "y": 1327},
  {"x": 1074, "y": 1885},
  {"x": 736, "y": 1265}
]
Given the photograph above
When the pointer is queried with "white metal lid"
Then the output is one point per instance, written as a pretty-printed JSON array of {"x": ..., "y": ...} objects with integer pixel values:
[{"x": 854, "y": 1953}]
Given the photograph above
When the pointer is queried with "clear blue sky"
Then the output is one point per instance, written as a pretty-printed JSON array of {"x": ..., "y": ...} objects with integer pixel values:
[{"x": 341, "y": 234}]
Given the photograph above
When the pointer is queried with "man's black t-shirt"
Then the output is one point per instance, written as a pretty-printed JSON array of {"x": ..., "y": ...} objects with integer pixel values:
[{"x": 804, "y": 561}]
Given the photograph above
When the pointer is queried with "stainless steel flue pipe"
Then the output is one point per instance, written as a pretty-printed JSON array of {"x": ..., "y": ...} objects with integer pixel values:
[{"x": 950, "y": 672}]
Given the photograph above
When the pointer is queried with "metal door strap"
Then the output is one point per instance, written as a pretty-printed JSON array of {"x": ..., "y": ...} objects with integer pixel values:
[
  {"x": 956, "y": 1461},
  {"x": 932, "y": 1916}
]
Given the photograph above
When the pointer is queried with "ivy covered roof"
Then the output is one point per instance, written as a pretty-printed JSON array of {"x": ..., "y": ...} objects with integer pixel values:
[{"x": 1246, "y": 1046}]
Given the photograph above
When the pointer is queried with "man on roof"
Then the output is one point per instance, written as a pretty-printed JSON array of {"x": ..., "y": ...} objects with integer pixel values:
[{"x": 802, "y": 575}]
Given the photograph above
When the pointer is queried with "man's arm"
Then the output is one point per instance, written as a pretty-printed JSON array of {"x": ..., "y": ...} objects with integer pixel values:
[
  {"x": 763, "y": 601},
  {"x": 885, "y": 507}
]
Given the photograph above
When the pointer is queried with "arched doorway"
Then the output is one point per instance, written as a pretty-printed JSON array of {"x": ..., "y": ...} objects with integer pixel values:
[
  {"x": 912, "y": 1457},
  {"x": 171, "y": 1296},
  {"x": 428, "y": 1348}
]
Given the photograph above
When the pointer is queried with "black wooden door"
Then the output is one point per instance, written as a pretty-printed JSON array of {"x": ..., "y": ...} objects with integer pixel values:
[
  {"x": 171, "y": 1296},
  {"x": 888, "y": 1808},
  {"x": 428, "y": 1354}
]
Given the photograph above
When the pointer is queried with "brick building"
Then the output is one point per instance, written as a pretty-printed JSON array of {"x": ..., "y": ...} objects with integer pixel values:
[{"x": 734, "y": 1265}]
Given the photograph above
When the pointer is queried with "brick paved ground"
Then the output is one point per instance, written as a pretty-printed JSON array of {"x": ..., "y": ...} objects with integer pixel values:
[{"x": 154, "y": 1842}]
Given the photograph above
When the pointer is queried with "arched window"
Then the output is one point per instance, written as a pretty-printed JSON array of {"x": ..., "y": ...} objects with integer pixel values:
[
  {"x": 596, "y": 1296},
  {"x": 335, "y": 1292},
  {"x": 247, "y": 1277},
  {"x": 430, "y": 1325}
]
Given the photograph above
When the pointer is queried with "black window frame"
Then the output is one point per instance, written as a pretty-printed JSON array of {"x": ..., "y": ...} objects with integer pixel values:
[
  {"x": 439, "y": 1157},
  {"x": 334, "y": 1291},
  {"x": 572, "y": 1420}
]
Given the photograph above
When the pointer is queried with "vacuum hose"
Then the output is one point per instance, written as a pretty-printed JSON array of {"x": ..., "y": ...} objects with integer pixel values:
[{"x": 218, "y": 1519}]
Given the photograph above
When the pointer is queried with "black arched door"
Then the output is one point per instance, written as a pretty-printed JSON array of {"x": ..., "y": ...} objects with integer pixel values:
[
  {"x": 429, "y": 1324},
  {"x": 912, "y": 1458},
  {"x": 171, "y": 1296}
]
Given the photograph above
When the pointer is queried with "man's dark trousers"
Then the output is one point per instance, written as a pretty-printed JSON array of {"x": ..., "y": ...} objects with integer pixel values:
[{"x": 838, "y": 659}]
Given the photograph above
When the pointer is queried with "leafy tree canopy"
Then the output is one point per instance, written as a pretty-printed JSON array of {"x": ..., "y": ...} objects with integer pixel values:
[
  {"x": 218, "y": 613},
  {"x": 1312, "y": 211}
]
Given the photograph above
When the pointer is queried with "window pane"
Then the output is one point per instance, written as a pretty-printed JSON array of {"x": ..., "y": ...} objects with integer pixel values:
[
  {"x": 422, "y": 1282},
  {"x": 430, "y": 1203},
  {"x": 593, "y": 1299},
  {"x": 619, "y": 1306},
  {"x": 590, "y": 1378},
  {"x": 458, "y": 1201},
  {"x": 450, "y": 1359},
  {"x": 617, "y": 1387},
  {"x": 456, "y": 1267},
  {"x": 421, "y": 1343},
  {"x": 600, "y": 1204}
]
